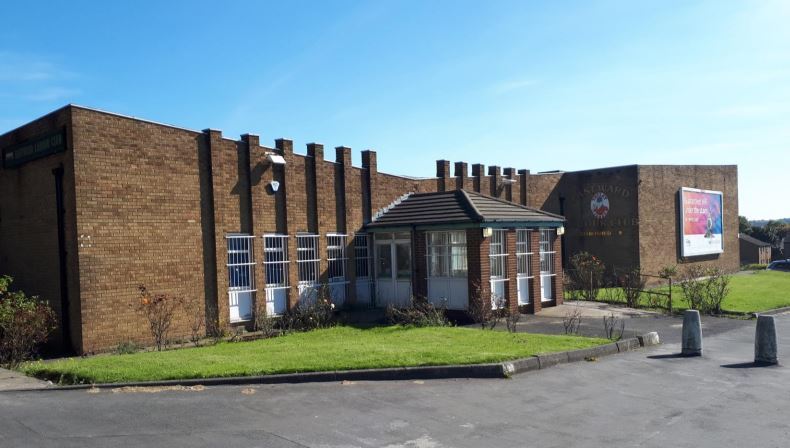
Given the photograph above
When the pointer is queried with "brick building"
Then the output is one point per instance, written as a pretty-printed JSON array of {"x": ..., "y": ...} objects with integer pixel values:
[
  {"x": 641, "y": 222},
  {"x": 94, "y": 204}
]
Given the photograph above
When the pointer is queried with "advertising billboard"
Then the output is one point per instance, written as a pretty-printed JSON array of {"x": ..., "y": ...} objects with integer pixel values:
[{"x": 701, "y": 222}]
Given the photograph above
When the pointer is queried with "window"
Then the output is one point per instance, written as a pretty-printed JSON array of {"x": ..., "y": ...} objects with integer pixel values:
[
  {"x": 446, "y": 254},
  {"x": 497, "y": 255},
  {"x": 362, "y": 255},
  {"x": 240, "y": 263},
  {"x": 275, "y": 260},
  {"x": 546, "y": 251},
  {"x": 524, "y": 253},
  {"x": 336, "y": 257},
  {"x": 307, "y": 258}
]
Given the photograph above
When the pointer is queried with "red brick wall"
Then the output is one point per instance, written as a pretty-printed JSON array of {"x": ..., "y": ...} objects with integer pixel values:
[
  {"x": 138, "y": 199},
  {"x": 658, "y": 213},
  {"x": 28, "y": 222}
]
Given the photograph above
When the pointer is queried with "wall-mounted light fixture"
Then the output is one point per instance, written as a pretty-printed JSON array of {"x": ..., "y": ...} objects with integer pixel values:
[
  {"x": 560, "y": 231},
  {"x": 487, "y": 232},
  {"x": 274, "y": 185},
  {"x": 275, "y": 159}
]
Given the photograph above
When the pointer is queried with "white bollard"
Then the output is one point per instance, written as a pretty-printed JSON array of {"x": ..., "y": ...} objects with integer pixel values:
[
  {"x": 692, "y": 334},
  {"x": 765, "y": 342}
]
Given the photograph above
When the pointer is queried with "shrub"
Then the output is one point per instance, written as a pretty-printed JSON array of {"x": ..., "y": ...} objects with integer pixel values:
[
  {"x": 484, "y": 309},
  {"x": 420, "y": 313},
  {"x": 158, "y": 309},
  {"x": 310, "y": 314},
  {"x": 197, "y": 319},
  {"x": 127, "y": 348},
  {"x": 586, "y": 274},
  {"x": 754, "y": 267},
  {"x": 632, "y": 283},
  {"x": 705, "y": 288},
  {"x": 511, "y": 320},
  {"x": 693, "y": 286},
  {"x": 263, "y": 321},
  {"x": 613, "y": 327},
  {"x": 668, "y": 271},
  {"x": 572, "y": 320},
  {"x": 717, "y": 286},
  {"x": 25, "y": 323}
]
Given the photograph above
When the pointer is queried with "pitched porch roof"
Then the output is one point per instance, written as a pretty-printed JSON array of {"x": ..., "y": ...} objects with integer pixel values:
[{"x": 461, "y": 208}]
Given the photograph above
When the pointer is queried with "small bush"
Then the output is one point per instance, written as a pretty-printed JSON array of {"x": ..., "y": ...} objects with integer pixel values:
[
  {"x": 485, "y": 310},
  {"x": 717, "y": 286},
  {"x": 25, "y": 323},
  {"x": 613, "y": 327},
  {"x": 572, "y": 320},
  {"x": 420, "y": 313},
  {"x": 668, "y": 271},
  {"x": 263, "y": 321},
  {"x": 158, "y": 309},
  {"x": 754, "y": 267},
  {"x": 632, "y": 283},
  {"x": 197, "y": 319},
  {"x": 586, "y": 275},
  {"x": 127, "y": 348},
  {"x": 511, "y": 320},
  {"x": 705, "y": 288},
  {"x": 310, "y": 314}
]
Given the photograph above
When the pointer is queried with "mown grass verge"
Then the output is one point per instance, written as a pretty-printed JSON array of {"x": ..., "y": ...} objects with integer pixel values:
[{"x": 338, "y": 348}]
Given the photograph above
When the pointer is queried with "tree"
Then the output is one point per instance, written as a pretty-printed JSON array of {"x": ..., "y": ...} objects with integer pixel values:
[{"x": 744, "y": 226}]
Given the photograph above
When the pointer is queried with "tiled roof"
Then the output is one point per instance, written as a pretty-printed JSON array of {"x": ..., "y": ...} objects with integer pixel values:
[
  {"x": 753, "y": 240},
  {"x": 458, "y": 207}
]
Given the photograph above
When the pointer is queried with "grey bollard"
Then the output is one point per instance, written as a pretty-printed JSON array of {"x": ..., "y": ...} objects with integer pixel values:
[
  {"x": 765, "y": 342},
  {"x": 692, "y": 334}
]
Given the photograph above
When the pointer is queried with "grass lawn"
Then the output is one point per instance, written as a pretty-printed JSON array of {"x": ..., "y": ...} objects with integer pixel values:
[
  {"x": 749, "y": 293},
  {"x": 338, "y": 348}
]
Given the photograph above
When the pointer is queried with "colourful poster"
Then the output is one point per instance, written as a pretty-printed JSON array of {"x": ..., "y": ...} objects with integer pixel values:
[{"x": 701, "y": 225}]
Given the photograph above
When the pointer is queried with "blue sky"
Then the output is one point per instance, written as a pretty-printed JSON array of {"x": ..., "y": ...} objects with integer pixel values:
[{"x": 537, "y": 85}]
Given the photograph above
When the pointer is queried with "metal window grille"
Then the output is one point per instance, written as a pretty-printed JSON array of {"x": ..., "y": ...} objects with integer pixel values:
[
  {"x": 336, "y": 257},
  {"x": 497, "y": 255},
  {"x": 362, "y": 255},
  {"x": 241, "y": 263},
  {"x": 546, "y": 253},
  {"x": 307, "y": 258},
  {"x": 275, "y": 260},
  {"x": 446, "y": 254},
  {"x": 524, "y": 253}
]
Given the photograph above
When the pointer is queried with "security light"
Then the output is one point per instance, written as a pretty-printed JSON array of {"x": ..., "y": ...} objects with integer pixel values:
[
  {"x": 275, "y": 158},
  {"x": 561, "y": 231},
  {"x": 487, "y": 232}
]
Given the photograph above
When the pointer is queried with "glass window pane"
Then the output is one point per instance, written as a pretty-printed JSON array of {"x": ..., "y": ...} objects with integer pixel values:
[
  {"x": 403, "y": 258},
  {"x": 383, "y": 261}
]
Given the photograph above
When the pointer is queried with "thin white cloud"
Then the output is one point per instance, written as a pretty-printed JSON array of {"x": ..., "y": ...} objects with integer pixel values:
[
  {"x": 503, "y": 87},
  {"x": 52, "y": 94}
]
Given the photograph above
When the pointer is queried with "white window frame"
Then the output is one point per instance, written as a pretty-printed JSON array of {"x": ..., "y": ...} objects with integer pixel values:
[
  {"x": 439, "y": 252},
  {"x": 336, "y": 257},
  {"x": 307, "y": 258},
  {"x": 362, "y": 256},
  {"x": 524, "y": 253},
  {"x": 547, "y": 252},
  {"x": 497, "y": 255},
  {"x": 275, "y": 245},
  {"x": 244, "y": 244}
]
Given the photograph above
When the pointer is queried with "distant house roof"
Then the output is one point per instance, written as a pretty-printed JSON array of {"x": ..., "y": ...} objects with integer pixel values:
[
  {"x": 752, "y": 240},
  {"x": 461, "y": 207}
]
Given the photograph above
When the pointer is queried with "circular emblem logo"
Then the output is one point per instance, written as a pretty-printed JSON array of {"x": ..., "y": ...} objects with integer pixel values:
[{"x": 599, "y": 205}]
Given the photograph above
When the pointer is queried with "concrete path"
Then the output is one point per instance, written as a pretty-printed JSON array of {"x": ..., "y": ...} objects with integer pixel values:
[
  {"x": 637, "y": 322},
  {"x": 10, "y": 380},
  {"x": 647, "y": 398}
]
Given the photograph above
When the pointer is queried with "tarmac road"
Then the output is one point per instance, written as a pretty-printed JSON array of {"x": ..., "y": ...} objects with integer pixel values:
[{"x": 633, "y": 399}]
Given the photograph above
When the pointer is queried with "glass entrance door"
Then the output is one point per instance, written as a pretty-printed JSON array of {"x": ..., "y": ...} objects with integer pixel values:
[{"x": 393, "y": 269}]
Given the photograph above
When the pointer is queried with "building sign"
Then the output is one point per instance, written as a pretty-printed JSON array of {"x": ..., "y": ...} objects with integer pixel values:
[
  {"x": 701, "y": 222},
  {"x": 599, "y": 205},
  {"x": 33, "y": 149}
]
